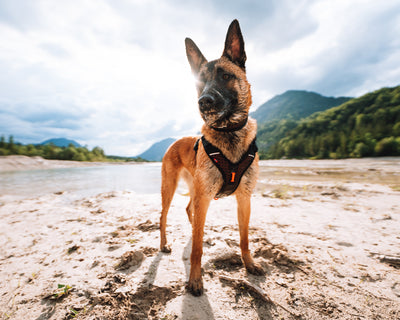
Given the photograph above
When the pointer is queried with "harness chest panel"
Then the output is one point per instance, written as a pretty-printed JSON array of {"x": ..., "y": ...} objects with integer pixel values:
[{"x": 232, "y": 173}]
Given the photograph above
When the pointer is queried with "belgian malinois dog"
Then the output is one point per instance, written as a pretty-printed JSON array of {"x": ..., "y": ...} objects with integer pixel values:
[{"x": 224, "y": 161}]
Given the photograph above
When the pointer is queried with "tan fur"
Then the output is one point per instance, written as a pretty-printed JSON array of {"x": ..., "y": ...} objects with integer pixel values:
[{"x": 205, "y": 180}]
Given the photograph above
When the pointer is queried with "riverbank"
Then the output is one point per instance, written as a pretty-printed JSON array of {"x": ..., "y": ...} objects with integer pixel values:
[
  {"x": 320, "y": 230},
  {"x": 18, "y": 163}
]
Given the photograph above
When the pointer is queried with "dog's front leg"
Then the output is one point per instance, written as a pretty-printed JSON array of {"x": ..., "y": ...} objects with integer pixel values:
[
  {"x": 201, "y": 204},
  {"x": 243, "y": 201}
]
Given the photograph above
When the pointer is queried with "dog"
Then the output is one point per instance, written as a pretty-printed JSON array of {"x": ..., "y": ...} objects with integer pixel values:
[{"x": 225, "y": 160}]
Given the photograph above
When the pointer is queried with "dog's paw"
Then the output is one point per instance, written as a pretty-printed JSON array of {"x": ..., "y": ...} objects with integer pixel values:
[
  {"x": 255, "y": 269},
  {"x": 195, "y": 287},
  {"x": 166, "y": 249}
]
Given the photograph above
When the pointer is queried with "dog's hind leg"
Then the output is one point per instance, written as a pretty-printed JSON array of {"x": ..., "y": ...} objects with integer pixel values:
[
  {"x": 189, "y": 210},
  {"x": 170, "y": 172},
  {"x": 243, "y": 201},
  {"x": 189, "y": 181}
]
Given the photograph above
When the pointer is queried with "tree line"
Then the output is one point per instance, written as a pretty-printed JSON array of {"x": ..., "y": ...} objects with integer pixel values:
[
  {"x": 50, "y": 151},
  {"x": 362, "y": 127}
]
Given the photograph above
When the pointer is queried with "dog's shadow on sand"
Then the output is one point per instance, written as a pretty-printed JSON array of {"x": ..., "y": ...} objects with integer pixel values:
[{"x": 194, "y": 307}]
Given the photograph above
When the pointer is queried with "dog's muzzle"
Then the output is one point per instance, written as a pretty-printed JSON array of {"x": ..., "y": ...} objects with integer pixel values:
[
  {"x": 207, "y": 103},
  {"x": 211, "y": 101}
]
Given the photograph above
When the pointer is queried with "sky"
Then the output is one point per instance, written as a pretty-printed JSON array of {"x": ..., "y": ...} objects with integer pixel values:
[{"x": 114, "y": 73}]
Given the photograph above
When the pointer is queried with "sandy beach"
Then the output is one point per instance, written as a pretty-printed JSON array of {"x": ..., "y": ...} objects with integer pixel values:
[{"x": 326, "y": 233}]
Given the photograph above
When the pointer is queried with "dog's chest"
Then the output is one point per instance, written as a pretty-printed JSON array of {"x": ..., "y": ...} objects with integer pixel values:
[{"x": 219, "y": 184}]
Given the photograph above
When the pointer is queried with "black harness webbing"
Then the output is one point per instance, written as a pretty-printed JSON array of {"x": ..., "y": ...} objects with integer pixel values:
[{"x": 232, "y": 173}]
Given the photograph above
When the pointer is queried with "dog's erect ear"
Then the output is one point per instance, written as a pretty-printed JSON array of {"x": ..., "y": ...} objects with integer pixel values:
[
  {"x": 234, "y": 45},
  {"x": 194, "y": 55}
]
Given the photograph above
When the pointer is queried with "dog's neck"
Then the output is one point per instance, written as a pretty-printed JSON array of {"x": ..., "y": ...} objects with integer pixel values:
[
  {"x": 232, "y": 144},
  {"x": 232, "y": 128}
]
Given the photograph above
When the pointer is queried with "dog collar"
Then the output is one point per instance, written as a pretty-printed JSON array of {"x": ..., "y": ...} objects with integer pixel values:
[{"x": 233, "y": 128}]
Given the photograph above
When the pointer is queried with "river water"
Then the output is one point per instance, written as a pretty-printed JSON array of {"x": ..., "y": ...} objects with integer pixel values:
[
  {"x": 145, "y": 178},
  {"x": 83, "y": 181}
]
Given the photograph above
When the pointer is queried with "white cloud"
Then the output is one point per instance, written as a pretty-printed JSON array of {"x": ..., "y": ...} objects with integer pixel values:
[
  {"x": 354, "y": 49},
  {"x": 114, "y": 73}
]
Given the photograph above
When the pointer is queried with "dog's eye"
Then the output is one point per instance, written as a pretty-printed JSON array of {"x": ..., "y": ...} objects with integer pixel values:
[{"x": 226, "y": 76}]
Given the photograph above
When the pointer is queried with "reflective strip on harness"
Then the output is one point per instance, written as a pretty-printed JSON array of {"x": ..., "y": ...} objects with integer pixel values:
[{"x": 232, "y": 173}]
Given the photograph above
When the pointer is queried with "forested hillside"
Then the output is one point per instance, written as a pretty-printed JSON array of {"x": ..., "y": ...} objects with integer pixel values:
[
  {"x": 361, "y": 127},
  {"x": 280, "y": 114},
  {"x": 294, "y": 105}
]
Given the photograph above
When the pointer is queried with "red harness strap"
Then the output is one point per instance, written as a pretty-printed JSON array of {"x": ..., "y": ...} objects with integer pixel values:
[{"x": 232, "y": 173}]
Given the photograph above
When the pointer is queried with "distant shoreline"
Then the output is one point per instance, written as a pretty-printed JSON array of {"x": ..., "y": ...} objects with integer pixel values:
[{"x": 19, "y": 163}]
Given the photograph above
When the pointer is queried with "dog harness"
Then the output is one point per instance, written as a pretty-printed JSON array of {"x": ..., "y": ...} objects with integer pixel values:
[{"x": 231, "y": 172}]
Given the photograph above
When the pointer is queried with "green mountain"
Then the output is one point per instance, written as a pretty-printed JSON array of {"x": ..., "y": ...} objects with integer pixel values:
[
  {"x": 281, "y": 114},
  {"x": 294, "y": 105},
  {"x": 157, "y": 150},
  {"x": 365, "y": 126},
  {"x": 61, "y": 142}
]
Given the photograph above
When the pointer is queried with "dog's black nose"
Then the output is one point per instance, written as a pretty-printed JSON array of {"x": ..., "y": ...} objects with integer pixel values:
[{"x": 206, "y": 102}]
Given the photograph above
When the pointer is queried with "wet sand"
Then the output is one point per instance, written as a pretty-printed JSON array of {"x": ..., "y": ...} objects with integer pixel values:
[{"x": 319, "y": 228}]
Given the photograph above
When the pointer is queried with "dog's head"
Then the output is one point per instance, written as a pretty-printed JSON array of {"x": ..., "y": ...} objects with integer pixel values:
[{"x": 223, "y": 90}]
